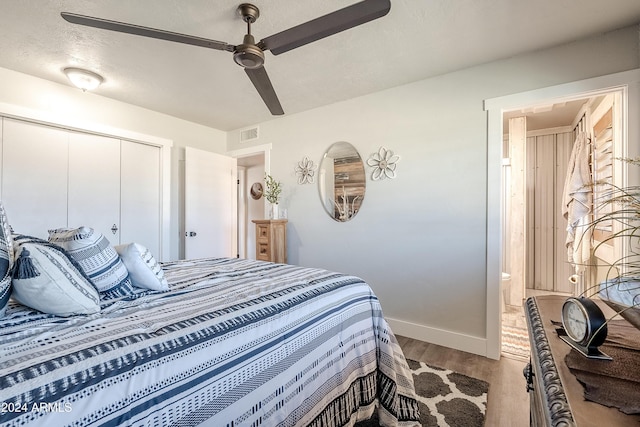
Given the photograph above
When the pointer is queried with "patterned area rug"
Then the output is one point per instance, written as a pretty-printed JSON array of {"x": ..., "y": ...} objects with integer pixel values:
[
  {"x": 515, "y": 342},
  {"x": 446, "y": 398}
]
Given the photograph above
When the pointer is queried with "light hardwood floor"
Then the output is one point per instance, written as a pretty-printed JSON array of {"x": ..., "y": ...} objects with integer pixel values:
[{"x": 508, "y": 401}]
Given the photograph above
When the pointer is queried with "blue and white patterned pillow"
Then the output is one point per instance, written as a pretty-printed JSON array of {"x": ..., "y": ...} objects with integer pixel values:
[
  {"x": 6, "y": 261},
  {"x": 5, "y": 294},
  {"x": 144, "y": 270},
  {"x": 47, "y": 279},
  {"x": 98, "y": 259}
]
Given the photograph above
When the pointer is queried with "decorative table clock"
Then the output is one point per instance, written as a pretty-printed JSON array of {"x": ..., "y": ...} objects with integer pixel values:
[{"x": 585, "y": 327}]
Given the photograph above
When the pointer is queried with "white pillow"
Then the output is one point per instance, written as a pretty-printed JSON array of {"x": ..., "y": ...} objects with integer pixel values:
[
  {"x": 51, "y": 283},
  {"x": 98, "y": 259},
  {"x": 144, "y": 270}
]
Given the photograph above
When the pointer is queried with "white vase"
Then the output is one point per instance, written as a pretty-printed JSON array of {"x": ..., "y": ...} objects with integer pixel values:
[{"x": 274, "y": 211}]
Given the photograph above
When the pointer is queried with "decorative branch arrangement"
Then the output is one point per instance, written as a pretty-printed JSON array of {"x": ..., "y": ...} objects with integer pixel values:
[
  {"x": 383, "y": 163},
  {"x": 621, "y": 205},
  {"x": 345, "y": 212},
  {"x": 272, "y": 190}
]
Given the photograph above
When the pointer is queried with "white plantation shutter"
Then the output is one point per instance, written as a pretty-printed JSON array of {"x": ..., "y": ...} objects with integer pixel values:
[{"x": 602, "y": 167}]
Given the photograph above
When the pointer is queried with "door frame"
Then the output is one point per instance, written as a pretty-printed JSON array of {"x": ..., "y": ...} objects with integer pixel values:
[
  {"x": 242, "y": 212},
  {"x": 627, "y": 81},
  {"x": 265, "y": 151}
]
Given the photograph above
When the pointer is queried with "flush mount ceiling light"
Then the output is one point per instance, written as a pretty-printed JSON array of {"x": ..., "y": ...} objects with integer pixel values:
[{"x": 83, "y": 79}]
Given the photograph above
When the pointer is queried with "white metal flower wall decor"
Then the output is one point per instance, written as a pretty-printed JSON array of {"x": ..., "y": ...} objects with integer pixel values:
[
  {"x": 306, "y": 171},
  {"x": 383, "y": 163}
]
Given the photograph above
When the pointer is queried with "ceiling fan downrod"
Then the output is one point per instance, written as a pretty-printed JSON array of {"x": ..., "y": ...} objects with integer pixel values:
[{"x": 247, "y": 54}]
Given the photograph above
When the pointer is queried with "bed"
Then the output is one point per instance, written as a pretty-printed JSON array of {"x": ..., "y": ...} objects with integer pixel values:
[{"x": 228, "y": 342}]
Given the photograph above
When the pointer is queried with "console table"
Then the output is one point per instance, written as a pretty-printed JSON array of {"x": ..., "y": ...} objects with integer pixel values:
[{"x": 556, "y": 396}]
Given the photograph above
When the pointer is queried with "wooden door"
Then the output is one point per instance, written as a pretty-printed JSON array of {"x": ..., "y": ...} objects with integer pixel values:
[
  {"x": 547, "y": 265},
  {"x": 543, "y": 212},
  {"x": 210, "y": 204},
  {"x": 34, "y": 177},
  {"x": 562, "y": 269}
]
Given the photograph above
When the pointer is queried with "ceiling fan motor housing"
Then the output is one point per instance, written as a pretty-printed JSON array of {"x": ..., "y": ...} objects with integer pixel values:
[{"x": 248, "y": 55}]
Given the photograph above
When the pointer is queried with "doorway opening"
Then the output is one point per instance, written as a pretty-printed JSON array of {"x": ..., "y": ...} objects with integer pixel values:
[
  {"x": 251, "y": 170},
  {"x": 538, "y": 155},
  {"x": 253, "y": 162},
  {"x": 627, "y": 83}
]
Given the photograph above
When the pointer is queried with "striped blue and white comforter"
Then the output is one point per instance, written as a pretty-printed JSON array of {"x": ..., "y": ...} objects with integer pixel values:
[{"x": 233, "y": 342}]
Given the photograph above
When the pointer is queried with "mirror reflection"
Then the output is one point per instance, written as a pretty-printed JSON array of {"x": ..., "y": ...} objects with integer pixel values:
[{"x": 341, "y": 181}]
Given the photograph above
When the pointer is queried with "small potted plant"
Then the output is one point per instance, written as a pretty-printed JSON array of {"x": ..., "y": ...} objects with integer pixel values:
[{"x": 272, "y": 192}]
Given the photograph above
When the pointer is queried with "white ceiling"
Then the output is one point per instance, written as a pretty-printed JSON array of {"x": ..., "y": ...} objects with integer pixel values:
[{"x": 416, "y": 40}]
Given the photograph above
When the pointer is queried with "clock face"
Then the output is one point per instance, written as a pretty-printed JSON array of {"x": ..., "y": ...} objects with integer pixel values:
[{"x": 574, "y": 319}]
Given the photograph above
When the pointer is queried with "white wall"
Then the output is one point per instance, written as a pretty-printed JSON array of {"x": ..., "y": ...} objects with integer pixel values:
[
  {"x": 420, "y": 240},
  {"x": 59, "y": 101}
]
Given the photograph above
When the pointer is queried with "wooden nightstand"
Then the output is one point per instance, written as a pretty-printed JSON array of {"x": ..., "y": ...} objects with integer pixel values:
[{"x": 271, "y": 240}]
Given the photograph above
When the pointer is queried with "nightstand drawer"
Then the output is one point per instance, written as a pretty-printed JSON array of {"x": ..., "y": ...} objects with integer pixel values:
[
  {"x": 262, "y": 252},
  {"x": 262, "y": 232}
]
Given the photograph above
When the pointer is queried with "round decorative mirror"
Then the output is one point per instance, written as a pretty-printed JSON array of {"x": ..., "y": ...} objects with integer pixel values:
[{"x": 341, "y": 181}]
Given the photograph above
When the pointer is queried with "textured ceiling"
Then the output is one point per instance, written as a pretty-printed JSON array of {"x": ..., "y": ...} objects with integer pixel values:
[{"x": 416, "y": 40}]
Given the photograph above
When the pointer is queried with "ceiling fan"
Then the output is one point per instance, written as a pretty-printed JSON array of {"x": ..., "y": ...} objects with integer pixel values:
[{"x": 249, "y": 54}]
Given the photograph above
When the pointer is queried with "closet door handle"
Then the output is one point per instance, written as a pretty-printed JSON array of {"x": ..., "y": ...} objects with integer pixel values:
[{"x": 114, "y": 229}]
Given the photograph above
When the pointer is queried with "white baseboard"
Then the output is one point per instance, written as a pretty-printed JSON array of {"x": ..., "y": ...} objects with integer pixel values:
[{"x": 441, "y": 337}]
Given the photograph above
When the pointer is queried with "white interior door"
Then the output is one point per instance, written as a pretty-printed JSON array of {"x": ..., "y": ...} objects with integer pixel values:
[
  {"x": 34, "y": 177},
  {"x": 94, "y": 184},
  {"x": 210, "y": 204}
]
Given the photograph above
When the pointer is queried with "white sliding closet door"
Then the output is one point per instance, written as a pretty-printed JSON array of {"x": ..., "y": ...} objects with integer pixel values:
[
  {"x": 141, "y": 195},
  {"x": 34, "y": 176},
  {"x": 94, "y": 184},
  {"x": 52, "y": 177}
]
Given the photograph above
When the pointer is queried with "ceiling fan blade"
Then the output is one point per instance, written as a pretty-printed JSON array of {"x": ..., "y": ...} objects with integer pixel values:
[
  {"x": 260, "y": 80},
  {"x": 326, "y": 25},
  {"x": 138, "y": 30}
]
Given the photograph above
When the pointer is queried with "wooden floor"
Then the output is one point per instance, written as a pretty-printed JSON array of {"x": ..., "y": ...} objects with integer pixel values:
[{"x": 507, "y": 403}]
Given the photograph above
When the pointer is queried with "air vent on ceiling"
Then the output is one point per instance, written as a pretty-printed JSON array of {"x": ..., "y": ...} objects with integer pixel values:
[{"x": 249, "y": 134}]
